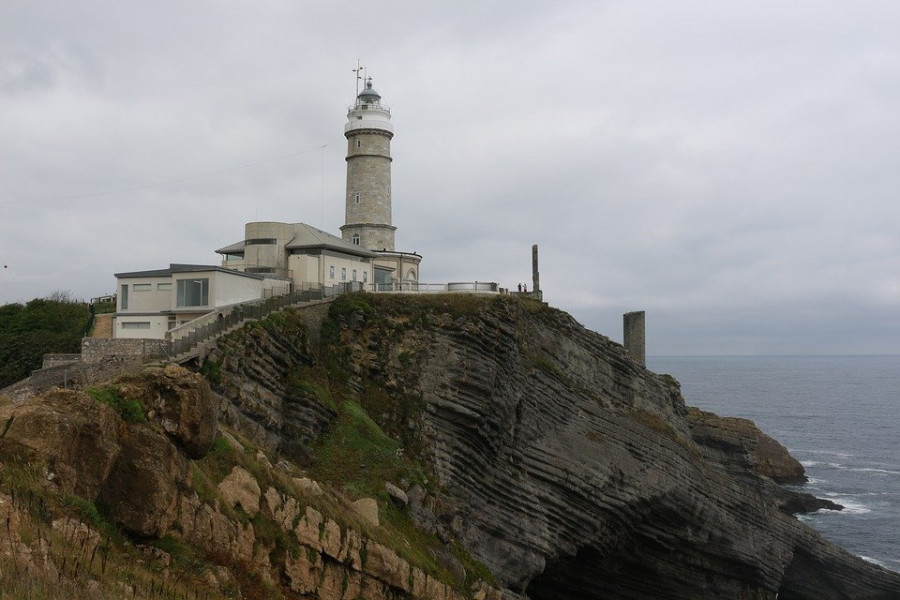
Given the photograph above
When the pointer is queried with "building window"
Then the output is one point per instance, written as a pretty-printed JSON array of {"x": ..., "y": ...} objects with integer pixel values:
[
  {"x": 411, "y": 275},
  {"x": 260, "y": 242},
  {"x": 365, "y": 276},
  {"x": 192, "y": 292},
  {"x": 142, "y": 287},
  {"x": 356, "y": 197},
  {"x": 359, "y": 143},
  {"x": 331, "y": 272},
  {"x": 124, "y": 296},
  {"x": 343, "y": 274},
  {"x": 355, "y": 239},
  {"x": 136, "y": 325},
  {"x": 354, "y": 274},
  {"x": 164, "y": 287}
]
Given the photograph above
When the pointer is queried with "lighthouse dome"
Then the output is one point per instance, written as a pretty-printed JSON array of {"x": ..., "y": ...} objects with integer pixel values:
[{"x": 369, "y": 95}]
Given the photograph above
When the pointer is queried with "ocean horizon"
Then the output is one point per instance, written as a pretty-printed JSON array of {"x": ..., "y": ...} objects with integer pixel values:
[{"x": 837, "y": 414}]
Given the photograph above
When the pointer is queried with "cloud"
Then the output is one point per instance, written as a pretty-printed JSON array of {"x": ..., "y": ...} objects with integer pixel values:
[{"x": 728, "y": 168}]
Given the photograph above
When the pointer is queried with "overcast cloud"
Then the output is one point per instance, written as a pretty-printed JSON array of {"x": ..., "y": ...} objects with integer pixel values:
[{"x": 729, "y": 167}]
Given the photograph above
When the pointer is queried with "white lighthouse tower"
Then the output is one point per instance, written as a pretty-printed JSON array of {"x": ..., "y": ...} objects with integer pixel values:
[{"x": 368, "y": 202}]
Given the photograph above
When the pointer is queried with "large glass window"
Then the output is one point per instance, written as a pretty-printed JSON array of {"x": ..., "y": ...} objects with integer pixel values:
[
  {"x": 124, "y": 296},
  {"x": 355, "y": 239},
  {"x": 136, "y": 325},
  {"x": 142, "y": 287},
  {"x": 193, "y": 292},
  {"x": 343, "y": 274},
  {"x": 331, "y": 272}
]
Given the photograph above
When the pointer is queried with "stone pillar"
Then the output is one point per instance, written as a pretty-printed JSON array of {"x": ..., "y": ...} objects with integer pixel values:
[
  {"x": 634, "y": 323},
  {"x": 535, "y": 274}
]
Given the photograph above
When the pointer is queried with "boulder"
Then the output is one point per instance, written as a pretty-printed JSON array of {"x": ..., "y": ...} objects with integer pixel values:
[
  {"x": 143, "y": 487},
  {"x": 66, "y": 433},
  {"x": 367, "y": 509},
  {"x": 240, "y": 488},
  {"x": 181, "y": 402},
  {"x": 396, "y": 495}
]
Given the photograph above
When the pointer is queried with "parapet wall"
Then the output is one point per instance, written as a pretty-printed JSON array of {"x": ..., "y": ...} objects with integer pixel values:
[
  {"x": 52, "y": 360},
  {"x": 101, "y": 359},
  {"x": 97, "y": 350}
]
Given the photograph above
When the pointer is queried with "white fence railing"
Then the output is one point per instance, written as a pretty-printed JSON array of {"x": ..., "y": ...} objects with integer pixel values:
[{"x": 414, "y": 287}]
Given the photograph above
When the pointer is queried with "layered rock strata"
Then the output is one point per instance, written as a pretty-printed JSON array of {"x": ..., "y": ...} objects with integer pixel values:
[{"x": 573, "y": 472}]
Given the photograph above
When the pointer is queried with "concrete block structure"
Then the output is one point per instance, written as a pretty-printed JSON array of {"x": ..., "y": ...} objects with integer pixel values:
[
  {"x": 150, "y": 303},
  {"x": 635, "y": 331}
]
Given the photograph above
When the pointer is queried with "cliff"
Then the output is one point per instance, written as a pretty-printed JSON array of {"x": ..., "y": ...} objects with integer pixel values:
[{"x": 402, "y": 447}]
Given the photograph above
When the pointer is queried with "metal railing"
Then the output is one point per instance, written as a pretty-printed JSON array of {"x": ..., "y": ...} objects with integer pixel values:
[
  {"x": 185, "y": 338},
  {"x": 414, "y": 287}
]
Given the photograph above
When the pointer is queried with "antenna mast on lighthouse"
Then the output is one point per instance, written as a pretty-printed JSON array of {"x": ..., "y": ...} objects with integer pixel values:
[{"x": 358, "y": 70}]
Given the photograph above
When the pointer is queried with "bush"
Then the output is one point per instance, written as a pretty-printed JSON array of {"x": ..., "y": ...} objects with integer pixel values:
[{"x": 41, "y": 326}]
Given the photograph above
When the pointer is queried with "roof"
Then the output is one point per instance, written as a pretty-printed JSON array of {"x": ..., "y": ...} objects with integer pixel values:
[
  {"x": 308, "y": 237},
  {"x": 182, "y": 268},
  {"x": 232, "y": 249}
]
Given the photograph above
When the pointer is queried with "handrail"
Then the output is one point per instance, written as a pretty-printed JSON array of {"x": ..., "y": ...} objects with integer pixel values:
[
  {"x": 186, "y": 337},
  {"x": 212, "y": 325}
]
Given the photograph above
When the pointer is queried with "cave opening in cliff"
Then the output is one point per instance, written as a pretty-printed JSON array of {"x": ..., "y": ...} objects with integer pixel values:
[{"x": 591, "y": 576}]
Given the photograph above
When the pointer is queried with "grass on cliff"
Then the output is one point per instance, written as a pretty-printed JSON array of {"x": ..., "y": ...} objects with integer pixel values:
[
  {"x": 357, "y": 455},
  {"x": 657, "y": 424},
  {"x": 131, "y": 410},
  {"x": 90, "y": 557}
]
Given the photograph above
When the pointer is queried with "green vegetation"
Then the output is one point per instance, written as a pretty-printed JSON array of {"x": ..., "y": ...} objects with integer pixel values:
[
  {"x": 95, "y": 563},
  {"x": 357, "y": 454},
  {"x": 212, "y": 371},
  {"x": 44, "y": 325},
  {"x": 131, "y": 410},
  {"x": 656, "y": 423}
]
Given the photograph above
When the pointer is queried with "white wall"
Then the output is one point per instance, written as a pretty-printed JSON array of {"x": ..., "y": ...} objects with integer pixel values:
[
  {"x": 152, "y": 300},
  {"x": 159, "y": 324},
  {"x": 227, "y": 288}
]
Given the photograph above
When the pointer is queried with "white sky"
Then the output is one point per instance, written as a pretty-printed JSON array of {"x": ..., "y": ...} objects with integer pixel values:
[{"x": 729, "y": 167}]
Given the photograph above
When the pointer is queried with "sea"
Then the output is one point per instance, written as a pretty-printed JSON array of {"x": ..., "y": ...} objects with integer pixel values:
[{"x": 838, "y": 415}]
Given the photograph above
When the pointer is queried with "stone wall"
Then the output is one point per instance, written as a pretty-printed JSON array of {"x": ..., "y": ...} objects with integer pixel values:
[
  {"x": 96, "y": 350},
  {"x": 101, "y": 359},
  {"x": 52, "y": 360}
]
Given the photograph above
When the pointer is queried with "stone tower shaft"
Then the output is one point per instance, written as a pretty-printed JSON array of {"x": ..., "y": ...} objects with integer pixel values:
[{"x": 369, "y": 130}]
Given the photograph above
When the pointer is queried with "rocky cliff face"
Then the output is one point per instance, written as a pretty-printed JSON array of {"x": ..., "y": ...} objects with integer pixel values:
[
  {"x": 464, "y": 447},
  {"x": 572, "y": 472}
]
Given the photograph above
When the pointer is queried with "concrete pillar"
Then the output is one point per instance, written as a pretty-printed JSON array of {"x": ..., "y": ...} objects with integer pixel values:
[
  {"x": 634, "y": 324},
  {"x": 535, "y": 274}
]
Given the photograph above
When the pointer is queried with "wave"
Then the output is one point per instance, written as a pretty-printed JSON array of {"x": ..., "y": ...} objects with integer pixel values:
[
  {"x": 858, "y": 469},
  {"x": 874, "y": 561},
  {"x": 827, "y": 452},
  {"x": 851, "y": 507},
  {"x": 871, "y": 470}
]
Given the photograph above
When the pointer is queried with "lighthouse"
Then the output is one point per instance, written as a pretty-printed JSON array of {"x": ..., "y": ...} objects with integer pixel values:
[{"x": 367, "y": 222}]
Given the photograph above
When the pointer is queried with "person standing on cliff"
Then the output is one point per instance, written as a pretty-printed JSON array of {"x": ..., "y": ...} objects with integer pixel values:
[{"x": 520, "y": 288}]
